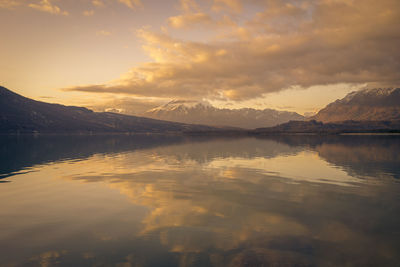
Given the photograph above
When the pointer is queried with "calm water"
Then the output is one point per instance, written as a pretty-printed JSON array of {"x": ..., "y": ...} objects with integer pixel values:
[{"x": 179, "y": 201}]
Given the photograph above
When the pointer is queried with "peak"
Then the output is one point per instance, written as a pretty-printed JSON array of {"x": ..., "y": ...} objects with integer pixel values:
[
  {"x": 180, "y": 101},
  {"x": 370, "y": 92},
  {"x": 178, "y": 104},
  {"x": 188, "y": 102},
  {"x": 379, "y": 91},
  {"x": 375, "y": 91}
]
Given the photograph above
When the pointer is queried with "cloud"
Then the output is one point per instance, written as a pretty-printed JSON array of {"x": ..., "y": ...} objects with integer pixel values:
[
  {"x": 47, "y": 6},
  {"x": 131, "y": 3},
  {"x": 98, "y": 3},
  {"x": 193, "y": 15},
  {"x": 235, "y": 6},
  {"x": 188, "y": 6},
  {"x": 286, "y": 44},
  {"x": 9, "y": 4},
  {"x": 187, "y": 20}
]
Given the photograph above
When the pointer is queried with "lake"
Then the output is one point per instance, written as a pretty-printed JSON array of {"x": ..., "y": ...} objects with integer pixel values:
[{"x": 153, "y": 200}]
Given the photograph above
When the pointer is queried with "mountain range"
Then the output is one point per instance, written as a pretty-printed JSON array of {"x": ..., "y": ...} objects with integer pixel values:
[
  {"x": 201, "y": 112},
  {"x": 369, "y": 110},
  {"x": 375, "y": 104},
  {"x": 19, "y": 114}
]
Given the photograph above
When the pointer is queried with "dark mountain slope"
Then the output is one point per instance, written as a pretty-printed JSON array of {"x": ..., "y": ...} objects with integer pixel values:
[
  {"x": 364, "y": 105},
  {"x": 19, "y": 114}
]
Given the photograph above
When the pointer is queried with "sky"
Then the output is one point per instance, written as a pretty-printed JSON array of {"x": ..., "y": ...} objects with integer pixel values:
[{"x": 282, "y": 54}]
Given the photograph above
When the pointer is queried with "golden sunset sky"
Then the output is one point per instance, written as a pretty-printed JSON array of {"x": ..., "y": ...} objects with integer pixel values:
[{"x": 281, "y": 54}]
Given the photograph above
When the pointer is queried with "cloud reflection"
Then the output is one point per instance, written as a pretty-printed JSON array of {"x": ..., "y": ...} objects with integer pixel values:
[
  {"x": 202, "y": 201},
  {"x": 231, "y": 202}
]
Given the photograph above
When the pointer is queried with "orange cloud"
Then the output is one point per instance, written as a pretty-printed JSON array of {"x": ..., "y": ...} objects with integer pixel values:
[
  {"x": 230, "y": 5},
  {"x": 189, "y": 6},
  {"x": 9, "y": 4},
  {"x": 301, "y": 44},
  {"x": 131, "y": 3},
  {"x": 98, "y": 3},
  {"x": 47, "y": 6},
  {"x": 186, "y": 20}
]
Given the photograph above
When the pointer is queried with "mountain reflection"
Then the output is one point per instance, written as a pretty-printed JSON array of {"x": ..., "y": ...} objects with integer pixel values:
[
  {"x": 358, "y": 155},
  {"x": 277, "y": 201},
  {"x": 19, "y": 152}
]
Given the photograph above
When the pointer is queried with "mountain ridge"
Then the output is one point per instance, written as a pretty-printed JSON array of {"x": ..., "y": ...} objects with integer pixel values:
[
  {"x": 365, "y": 105},
  {"x": 201, "y": 112}
]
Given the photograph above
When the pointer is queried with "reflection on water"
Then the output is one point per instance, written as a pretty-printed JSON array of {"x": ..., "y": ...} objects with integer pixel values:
[{"x": 180, "y": 201}]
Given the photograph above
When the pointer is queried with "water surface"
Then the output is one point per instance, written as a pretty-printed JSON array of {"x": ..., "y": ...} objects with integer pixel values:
[{"x": 180, "y": 201}]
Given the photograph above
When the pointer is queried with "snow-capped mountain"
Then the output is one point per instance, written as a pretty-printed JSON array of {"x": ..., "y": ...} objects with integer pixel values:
[
  {"x": 368, "y": 104},
  {"x": 201, "y": 112},
  {"x": 181, "y": 105}
]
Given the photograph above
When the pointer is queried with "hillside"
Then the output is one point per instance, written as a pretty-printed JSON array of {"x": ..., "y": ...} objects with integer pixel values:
[
  {"x": 19, "y": 114},
  {"x": 364, "y": 105}
]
